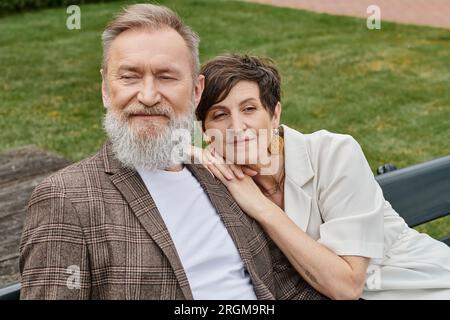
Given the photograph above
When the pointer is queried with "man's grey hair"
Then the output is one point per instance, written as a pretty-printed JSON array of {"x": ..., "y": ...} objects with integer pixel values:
[{"x": 153, "y": 17}]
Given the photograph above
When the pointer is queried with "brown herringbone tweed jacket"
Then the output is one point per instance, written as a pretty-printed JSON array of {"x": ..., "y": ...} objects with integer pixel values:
[{"x": 92, "y": 231}]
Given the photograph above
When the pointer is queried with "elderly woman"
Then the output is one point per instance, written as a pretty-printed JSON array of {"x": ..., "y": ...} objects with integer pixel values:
[{"x": 314, "y": 194}]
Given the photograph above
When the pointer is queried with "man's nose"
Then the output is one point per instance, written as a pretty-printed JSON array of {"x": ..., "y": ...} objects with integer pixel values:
[{"x": 149, "y": 93}]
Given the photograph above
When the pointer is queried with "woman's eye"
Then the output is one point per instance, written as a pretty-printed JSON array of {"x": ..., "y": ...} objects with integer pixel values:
[
  {"x": 218, "y": 116},
  {"x": 249, "y": 108}
]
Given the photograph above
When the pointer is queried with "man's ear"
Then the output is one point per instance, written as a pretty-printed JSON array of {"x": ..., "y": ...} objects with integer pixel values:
[
  {"x": 104, "y": 89},
  {"x": 198, "y": 89},
  {"x": 276, "y": 116}
]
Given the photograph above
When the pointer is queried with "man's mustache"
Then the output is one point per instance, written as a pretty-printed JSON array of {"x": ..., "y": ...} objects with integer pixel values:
[{"x": 156, "y": 110}]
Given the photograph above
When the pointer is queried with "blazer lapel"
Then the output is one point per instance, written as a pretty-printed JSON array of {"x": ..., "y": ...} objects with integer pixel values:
[
  {"x": 298, "y": 171},
  {"x": 133, "y": 189},
  {"x": 238, "y": 224}
]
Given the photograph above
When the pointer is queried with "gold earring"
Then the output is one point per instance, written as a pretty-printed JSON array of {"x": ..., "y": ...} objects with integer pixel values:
[
  {"x": 207, "y": 139},
  {"x": 277, "y": 143}
]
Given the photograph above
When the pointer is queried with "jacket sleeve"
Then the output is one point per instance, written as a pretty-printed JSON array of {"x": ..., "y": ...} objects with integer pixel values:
[
  {"x": 350, "y": 200},
  {"x": 54, "y": 261}
]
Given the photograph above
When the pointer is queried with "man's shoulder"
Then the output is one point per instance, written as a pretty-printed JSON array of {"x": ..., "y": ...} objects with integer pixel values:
[
  {"x": 74, "y": 176},
  {"x": 78, "y": 170}
]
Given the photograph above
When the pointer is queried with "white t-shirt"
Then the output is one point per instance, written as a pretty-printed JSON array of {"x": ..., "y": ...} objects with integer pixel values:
[{"x": 210, "y": 259}]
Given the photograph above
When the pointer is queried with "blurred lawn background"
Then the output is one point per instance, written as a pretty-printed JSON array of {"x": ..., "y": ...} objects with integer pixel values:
[{"x": 389, "y": 88}]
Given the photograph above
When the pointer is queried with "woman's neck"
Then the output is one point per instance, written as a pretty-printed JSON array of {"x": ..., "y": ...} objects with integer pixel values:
[{"x": 269, "y": 175}]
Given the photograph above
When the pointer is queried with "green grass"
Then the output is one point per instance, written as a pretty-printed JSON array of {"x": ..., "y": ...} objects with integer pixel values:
[{"x": 388, "y": 88}]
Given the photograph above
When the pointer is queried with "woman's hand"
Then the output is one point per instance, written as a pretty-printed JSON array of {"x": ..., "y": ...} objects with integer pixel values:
[{"x": 238, "y": 181}]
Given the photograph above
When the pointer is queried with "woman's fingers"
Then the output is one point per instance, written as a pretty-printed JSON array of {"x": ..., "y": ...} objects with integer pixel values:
[
  {"x": 249, "y": 172},
  {"x": 228, "y": 171},
  {"x": 205, "y": 160},
  {"x": 207, "y": 157},
  {"x": 207, "y": 168},
  {"x": 220, "y": 164},
  {"x": 237, "y": 171},
  {"x": 216, "y": 172},
  {"x": 211, "y": 159}
]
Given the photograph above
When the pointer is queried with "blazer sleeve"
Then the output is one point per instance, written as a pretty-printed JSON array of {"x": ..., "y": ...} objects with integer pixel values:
[
  {"x": 350, "y": 200},
  {"x": 53, "y": 253}
]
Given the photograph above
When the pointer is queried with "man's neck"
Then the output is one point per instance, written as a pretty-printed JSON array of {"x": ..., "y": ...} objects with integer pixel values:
[{"x": 175, "y": 168}]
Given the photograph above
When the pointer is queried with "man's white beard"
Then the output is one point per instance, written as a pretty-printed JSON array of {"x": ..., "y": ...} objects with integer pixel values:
[{"x": 159, "y": 149}]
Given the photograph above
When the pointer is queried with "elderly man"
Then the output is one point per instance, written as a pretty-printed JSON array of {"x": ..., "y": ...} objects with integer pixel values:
[{"x": 130, "y": 222}]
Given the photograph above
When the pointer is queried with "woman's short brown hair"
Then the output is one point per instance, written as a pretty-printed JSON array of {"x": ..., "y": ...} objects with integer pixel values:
[{"x": 222, "y": 73}]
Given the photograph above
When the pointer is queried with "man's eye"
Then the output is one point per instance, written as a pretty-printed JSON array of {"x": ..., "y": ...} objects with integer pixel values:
[
  {"x": 127, "y": 77},
  {"x": 166, "y": 78}
]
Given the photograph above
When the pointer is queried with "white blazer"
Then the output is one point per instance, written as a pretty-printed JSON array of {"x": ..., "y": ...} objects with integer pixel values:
[{"x": 331, "y": 194}]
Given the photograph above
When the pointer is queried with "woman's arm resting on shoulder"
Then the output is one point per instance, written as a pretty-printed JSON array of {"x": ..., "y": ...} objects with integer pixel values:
[
  {"x": 334, "y": 276},
  {"x": 338, "y": 277}
]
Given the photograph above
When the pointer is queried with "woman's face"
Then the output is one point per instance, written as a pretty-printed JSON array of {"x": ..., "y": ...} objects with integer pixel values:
[{"x": 239, "y": 126}]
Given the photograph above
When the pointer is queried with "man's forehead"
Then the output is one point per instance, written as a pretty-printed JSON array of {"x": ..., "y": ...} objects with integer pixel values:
[
  {"x": 155, "y": 64},
  {"x": 146, "y": 46}
]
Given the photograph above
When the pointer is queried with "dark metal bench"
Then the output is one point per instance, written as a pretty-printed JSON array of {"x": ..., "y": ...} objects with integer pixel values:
[
  {"x": 11, "y": 292},
  {"x": 419, "y": 193}
]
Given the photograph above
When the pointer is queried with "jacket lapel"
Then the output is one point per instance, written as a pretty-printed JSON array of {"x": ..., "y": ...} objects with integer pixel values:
[
  {"x": 133, "y": 189},
  {"x": 298, "y": 171},
  {"x": 238, "y": 224}
]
